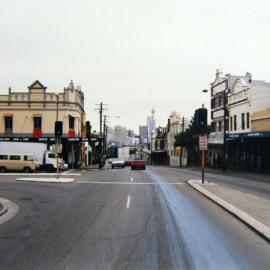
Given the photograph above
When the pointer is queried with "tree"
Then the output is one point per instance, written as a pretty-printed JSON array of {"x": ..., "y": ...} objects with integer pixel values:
[{"x": 189, "y": 139}]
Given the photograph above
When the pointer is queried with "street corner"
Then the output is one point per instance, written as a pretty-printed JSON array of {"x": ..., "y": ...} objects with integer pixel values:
[
  {"x": 3, "y": 209},
  {"x": 8, "y": 209}
]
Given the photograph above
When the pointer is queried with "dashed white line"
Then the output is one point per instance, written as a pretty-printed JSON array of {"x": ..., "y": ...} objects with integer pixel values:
[{"x": 128, "y": 201}]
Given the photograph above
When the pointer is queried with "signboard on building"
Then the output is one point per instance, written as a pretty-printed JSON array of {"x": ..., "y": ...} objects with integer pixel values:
[
  {"x": 219, "y": 87},
  {"x": 178, "y": 148},
  {"x": 203, "y": 142}
]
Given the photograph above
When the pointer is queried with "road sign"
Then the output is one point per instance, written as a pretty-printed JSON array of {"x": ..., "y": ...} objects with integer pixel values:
[
  {"x": 178, "y": 148},
  {"x": 57, "y": 148},
  {"x": 203, "y": 142}
]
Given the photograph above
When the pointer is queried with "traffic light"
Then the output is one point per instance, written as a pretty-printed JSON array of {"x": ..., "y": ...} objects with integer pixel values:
[
  {"x": 88, "y": 129},
  {"x": 58, "y": 128},
  {"x": 201, "y": 120}
]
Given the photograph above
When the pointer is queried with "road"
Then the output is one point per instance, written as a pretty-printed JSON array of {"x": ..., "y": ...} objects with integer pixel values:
[{"x": 123, "y": 219}]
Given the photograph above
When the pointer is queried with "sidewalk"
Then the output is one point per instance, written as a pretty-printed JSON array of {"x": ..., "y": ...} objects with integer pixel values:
[
  {"x": 251, "y": 209},
  {"x": 262, "y": 177}
]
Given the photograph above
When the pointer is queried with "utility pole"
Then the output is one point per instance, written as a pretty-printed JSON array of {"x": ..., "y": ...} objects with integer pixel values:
[
  {"x": 100, "y": 109},
  {"x": 105, "y": 130},
  {"x": 181, "y": 150}
]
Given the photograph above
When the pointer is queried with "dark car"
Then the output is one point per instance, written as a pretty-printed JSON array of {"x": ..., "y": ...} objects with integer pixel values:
[{"x": 137, "y": 165}]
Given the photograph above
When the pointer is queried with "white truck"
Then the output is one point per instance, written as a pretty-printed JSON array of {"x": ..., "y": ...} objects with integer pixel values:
[
  {"x": 123, "y": 153},
  {"x": 46, "y": 158}
]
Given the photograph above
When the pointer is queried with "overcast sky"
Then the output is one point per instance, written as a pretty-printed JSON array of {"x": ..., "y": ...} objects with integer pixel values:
[{"x": 134, "y": 55}]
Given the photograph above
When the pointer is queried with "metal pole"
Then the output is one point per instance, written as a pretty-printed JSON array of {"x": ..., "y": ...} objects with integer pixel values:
[
  {"x": 100, "y": 134},
  {"x": 181, "y": 149},
  {"x": 141, "y": 147},
  {"x": 57, "y": 139},
  {"x": 224, "y": 132},
  {"x": 57, "y": 166},
  {"x": 203, "y": 166},
  {"x": 57, "y": 106}
]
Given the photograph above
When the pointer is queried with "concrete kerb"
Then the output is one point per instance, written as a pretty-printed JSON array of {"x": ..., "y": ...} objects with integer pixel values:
[
  {"x": 3, "y": 209},
  {"x": 254, "y": 224},
  {"x": 10, "y": 209}
]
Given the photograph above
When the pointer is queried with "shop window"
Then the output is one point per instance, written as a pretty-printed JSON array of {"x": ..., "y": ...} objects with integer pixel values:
[
  {"x": 8, "y": 124},
  {"x": 235, "y": 122},
  {"x": 213, "y": 126},
  {"x": 247, "y": 120},
  {"x": 71, "y": 122},
  {"x": 219, "y": 126},
  {"x": 243, "y": 121},
  {"x": 37, "y": 122},
  {"x": 213, "y": 103}
]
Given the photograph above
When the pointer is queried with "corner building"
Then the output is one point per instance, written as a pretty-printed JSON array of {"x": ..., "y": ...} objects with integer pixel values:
[{"x": 30, "y": 116}]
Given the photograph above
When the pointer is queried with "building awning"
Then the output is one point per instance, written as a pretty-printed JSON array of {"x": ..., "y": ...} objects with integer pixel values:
[{"x": 249, "y": 135}]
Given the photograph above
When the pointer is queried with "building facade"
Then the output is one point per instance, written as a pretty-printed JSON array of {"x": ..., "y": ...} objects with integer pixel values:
[
  {"x": 151, "y": 126},
  {"x": 120, "y": 136},
  {"x": 176, "y": 125},
  {"x": 159, "y": 147},
  {"x": 246, "y": 104},
  {"x": 31, "y": 115},
  {"x": 143, "y": 133}
]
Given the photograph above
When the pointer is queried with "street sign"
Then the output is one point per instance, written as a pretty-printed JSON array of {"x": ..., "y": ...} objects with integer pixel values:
[
  {"x": 203, "y": 142},
  {"x": 178, "y": 148},
  {"x": 57, "y": 148}
]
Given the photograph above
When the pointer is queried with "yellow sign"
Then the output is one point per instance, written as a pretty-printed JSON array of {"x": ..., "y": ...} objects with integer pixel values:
[{"x": 178, "y": 148}]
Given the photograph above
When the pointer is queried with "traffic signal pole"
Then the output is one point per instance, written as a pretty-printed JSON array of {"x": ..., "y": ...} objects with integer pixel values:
[
  {"x": 201, "y": 125},
  {"x": 203, "y": 163}
]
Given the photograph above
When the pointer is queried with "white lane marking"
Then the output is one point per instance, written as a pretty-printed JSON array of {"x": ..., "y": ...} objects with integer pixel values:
[
  {"x": 39, "y": 174},
  {"x": 48, "y": 180},
  {"x": 128, "y": 201},
  {"x": 127, "y": 183},
  {"x": 131, "y": 179}
]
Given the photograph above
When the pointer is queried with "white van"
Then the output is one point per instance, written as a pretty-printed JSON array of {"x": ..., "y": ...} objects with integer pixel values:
[{"x": 18, "y": 162}]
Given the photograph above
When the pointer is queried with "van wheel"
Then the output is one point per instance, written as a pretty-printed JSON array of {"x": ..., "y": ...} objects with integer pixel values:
[
  {"x": 27, "y": 170},
  {"x": 49, "y": 168},
  {"x": 3, "y": 169}
]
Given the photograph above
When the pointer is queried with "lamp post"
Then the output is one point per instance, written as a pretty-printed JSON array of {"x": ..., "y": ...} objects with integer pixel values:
[
  {"x": 200, "y": 138},
  {"x": 225, "y": 112}
]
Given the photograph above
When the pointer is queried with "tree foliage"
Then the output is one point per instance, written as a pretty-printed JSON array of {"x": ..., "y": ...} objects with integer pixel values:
[{"x": 189, "y": 140}]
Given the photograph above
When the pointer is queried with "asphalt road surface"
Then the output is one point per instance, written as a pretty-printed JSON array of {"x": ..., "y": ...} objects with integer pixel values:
[{"x": 122, "y": 219}]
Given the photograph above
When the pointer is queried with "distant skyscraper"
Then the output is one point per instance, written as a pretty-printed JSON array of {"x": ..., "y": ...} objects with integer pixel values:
[
  {"x": 143, "y": 132},
  {"x": 151, "y": 125},
  {"x": 120, "y": 135}
]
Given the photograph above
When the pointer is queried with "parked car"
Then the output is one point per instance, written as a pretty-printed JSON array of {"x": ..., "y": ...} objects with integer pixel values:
[
  {"x": 118, "y": 163},
  {"x": 137, "y": 164},
  {"x": 18, "y": 162}
]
